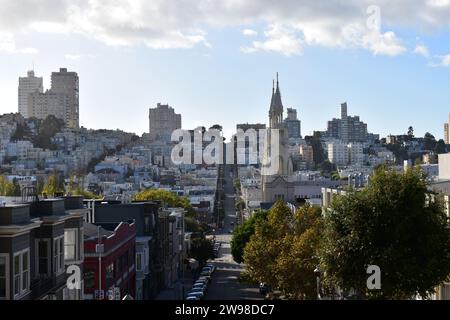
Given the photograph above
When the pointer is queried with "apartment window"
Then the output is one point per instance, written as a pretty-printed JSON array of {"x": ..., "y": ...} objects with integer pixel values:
[
  {"x": 4, "y": 275},
  {"x": 70, "y": 244},
  {"x": 43, "y": 249},
  {"x": 89, "y": 278},
  {"x": 147, "y": 225},
  {"x": 58, "y": 254},
  {"x": 21, "y": 272},
  {"x": 139, "y": 262}
]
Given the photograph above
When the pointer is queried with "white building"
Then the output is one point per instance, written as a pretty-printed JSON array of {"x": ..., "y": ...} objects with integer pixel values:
[
  {"x": 28, "y": 85},
  {"x": 338, "y": 153}
]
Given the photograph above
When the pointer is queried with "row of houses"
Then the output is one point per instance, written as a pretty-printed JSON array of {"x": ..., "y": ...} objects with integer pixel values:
[{"x": 70, "y": 249}]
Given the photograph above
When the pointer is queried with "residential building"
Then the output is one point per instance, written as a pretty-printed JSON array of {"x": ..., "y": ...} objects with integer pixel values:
[
  {"x": 28, "y": 85},
  {"x": 338, "y": 153},
  {"x": 38, "y": 241},
  {"x": 293, "y": 124},
  {"x": 347, "y": 128},
  {"x": 41, "y": 105},
  {"x": 307, "y": 154},
  {"x": 67, "y": 83},
  {"x": 163, "y": 121},
  {"x": 109, "y": 266},
  {"x": 149, "y": 271}
]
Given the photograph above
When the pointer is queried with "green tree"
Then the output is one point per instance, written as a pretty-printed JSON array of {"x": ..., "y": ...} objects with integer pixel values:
[
  {"x": 48, "y": 128},
  {"x": 440, "y": 147},
  {"x": 167, "y": 197},
  {"x": 394, "y": 224},
  {"x": 410, "y": 132},
  {"x": 283, "y": 252},
  {"x": 202, "y": 250},
  {"x": 6, "y": 187},
  {"x": 429, "y": 142},
  {"x": 242, "y": 234},
  {"x": 52, "y": 186}
]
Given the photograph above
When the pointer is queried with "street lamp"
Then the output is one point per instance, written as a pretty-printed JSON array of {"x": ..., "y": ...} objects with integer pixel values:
[{"x": 317, "y": 272}]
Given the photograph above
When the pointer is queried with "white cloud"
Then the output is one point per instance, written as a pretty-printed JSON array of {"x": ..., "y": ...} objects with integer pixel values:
[
  {"x": 441, "y": 61},
  {"x": 8, "y": 45},
  {"x": 183, "y": 23},
  {"x": 249, "y": 33},
  {"x": 422, "y": 50},
  {"x": 279, "y": 39}
]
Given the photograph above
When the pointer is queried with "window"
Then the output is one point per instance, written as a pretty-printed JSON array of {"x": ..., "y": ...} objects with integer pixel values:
[
  {"x": 147, "y": 224},
  {"x": 89, "y": 278},
  {"x": 109, "y": 274},
  {"x": 4, "y": 282},
  {"x": 139, "y": 262},
  {"x": 43, "y": 249},
  {"x": 21, "y": 272},
  {"x": 58, "y": 255},
  {"x": 70, "y": 244}
]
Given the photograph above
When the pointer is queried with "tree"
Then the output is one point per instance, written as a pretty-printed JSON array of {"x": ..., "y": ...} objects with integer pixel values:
[
  {"x": 410, "y": 132},
  {"x": 283, "y": 252},
  {"x": 6, "y": 187},
  {"x": 167, "y": 197},
  {"x": 202, "y": 250},
  {"x": 429, "y": 141},
  {"x": 52, "y": 186},
  {"x": 440, "y": 147},
  {"x": 392, "y": 223},
  {"x": 242, "y": 234},
  {"x": 48, "y": 128}
]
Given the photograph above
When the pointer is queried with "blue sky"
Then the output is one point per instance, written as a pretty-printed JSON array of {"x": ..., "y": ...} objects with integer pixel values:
[{"x": 212, "y": 71}]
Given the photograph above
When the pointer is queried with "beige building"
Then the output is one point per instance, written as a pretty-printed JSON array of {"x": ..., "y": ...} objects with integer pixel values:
[
  {"x": 67, "y": 83},
  {"x": 41, "y": 105},
  {"x": 27, "y": 86},
  {"x": 446, "y": 131},
  {"x": 163, "y": 121}
]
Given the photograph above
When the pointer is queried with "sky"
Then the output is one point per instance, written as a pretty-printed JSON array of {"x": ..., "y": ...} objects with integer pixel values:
[{"x": 214, "y": 60}]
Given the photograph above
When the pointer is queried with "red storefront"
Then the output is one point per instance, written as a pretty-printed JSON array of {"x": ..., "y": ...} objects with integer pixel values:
[{"x": 109, "y": 265}]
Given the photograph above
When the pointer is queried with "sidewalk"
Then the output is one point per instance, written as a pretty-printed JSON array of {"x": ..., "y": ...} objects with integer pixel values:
[{"x": 176, "y": 292}]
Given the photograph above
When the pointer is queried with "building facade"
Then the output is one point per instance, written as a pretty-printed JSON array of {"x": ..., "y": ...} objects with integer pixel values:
[
  {"x": 163, "y": 121},
  {"x": 110, "y": 272},
  {"x": 28, "y": 85},
  {"x": 293, "y": 124},
  {"x": 39, "y": 240},
  {"x": 347, "y": 128},
  {"x": 67, "y": 83}
]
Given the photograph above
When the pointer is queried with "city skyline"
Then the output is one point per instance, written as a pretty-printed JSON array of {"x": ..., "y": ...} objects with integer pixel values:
[{"x": 392, "y": 77}]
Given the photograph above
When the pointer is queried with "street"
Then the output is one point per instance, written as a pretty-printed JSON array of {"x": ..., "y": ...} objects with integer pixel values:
[{"x": 225, "y": 284}]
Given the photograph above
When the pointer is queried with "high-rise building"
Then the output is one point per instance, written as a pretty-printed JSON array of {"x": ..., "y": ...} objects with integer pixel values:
[
  {"x": 28, "y": 85},
  {"x": 293, "y": 124},
  {"x": 343, "y": 154},
  {"x": 163, "y": 121},
  {"x": 68, "y": 83},
  {"x": 41, "y": 105},
  {"x": 447, "y": 131},
  {"x": 347, "y": 129}
]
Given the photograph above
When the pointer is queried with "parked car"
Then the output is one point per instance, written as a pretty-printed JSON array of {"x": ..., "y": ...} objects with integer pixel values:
[
  {"x": 192, "y": 298},
  {"x": 195, "y": 294},
  {"x": 212, "y": 267},
  {"x": 198, "y": 291},
  {"x": 201, "y": 286},
  {"x": 207, "y": 278},
  {"x": 207, "y": 270}
]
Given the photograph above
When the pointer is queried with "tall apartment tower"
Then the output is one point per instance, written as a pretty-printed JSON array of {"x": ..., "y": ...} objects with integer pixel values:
[
  {"x": 446, "y": 133},
  {"x": 293, "y": 124},
  {"x": 64, "y": 82},
  {"x": 163, "y": 121},
  {"x": 27, "y": 86}
]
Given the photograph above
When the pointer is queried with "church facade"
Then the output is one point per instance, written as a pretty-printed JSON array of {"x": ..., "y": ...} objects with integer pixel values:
[{"x": 277, "y": 169}]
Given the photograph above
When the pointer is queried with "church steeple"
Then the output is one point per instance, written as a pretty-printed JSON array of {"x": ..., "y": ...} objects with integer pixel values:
[{"x": 276, "y": 106}]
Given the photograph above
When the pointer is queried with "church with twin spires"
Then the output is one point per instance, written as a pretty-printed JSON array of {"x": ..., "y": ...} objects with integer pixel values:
[{"x": 277, "y": 167}]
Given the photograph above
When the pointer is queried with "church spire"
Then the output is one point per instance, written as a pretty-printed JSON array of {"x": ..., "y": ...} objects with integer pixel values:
[{"x": 276, "y": 106}]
